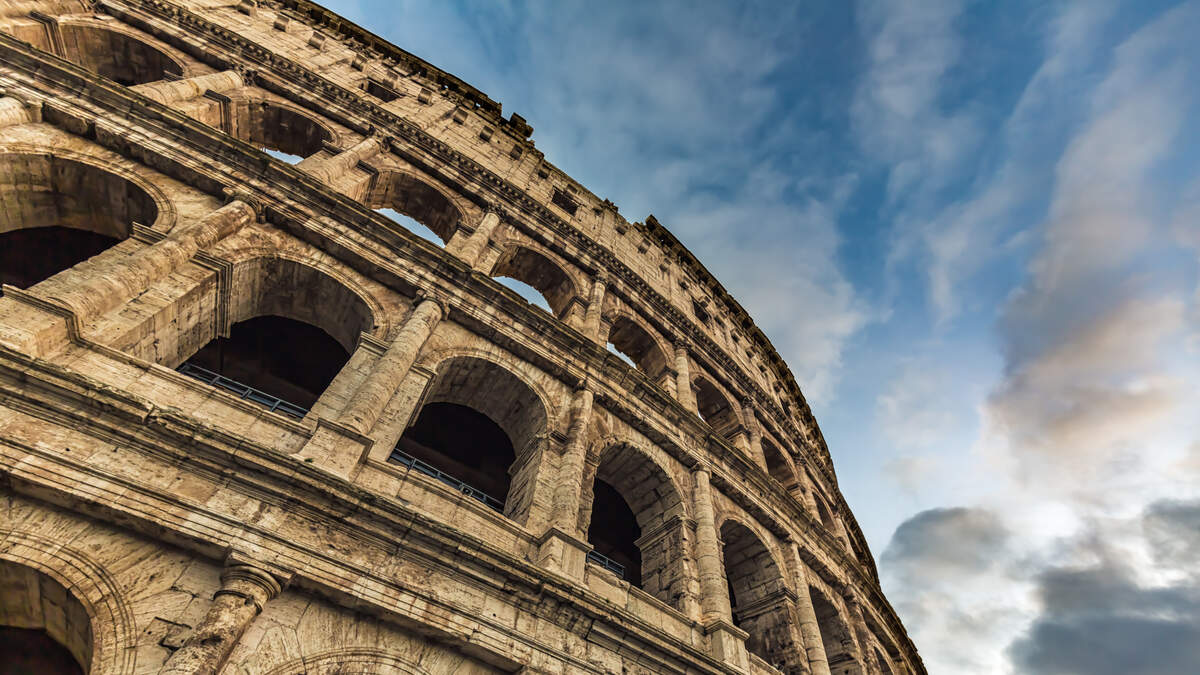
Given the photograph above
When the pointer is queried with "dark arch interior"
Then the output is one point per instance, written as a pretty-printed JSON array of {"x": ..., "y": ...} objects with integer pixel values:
[
  {"x": 614, "y": 530},
  {"x": 25, "y": 651},
  {"x": 464, "y": 443},
  {"x": 633, "y": 341},
  {"x": 759, "y": 608},
  {"x": 282, "y": 357},
  {"x": 536, "y": 270},
  {"x": 274, "y": 127},
  {"x": 38, "y": 253},
  {"x": 778, "y": 467},
  {"x": 835, "y": 635},
  {"x": 119, "y": 57},
  {"x": 411, "y": 197},
  {"x": 714, "y": 408}
]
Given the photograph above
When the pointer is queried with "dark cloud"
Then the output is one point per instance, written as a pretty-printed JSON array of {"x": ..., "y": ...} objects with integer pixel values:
[
  {"x": 956, "y": 539},
  {"x": 1104, "y": 620}
]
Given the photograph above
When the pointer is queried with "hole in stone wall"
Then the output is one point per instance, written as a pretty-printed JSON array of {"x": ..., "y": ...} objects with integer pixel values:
[
  {"x": 464, "y": 443},
  {"x": 58, "y": 213},
  {"x": 534, "y": 272},
  {"x": 43, "y": 627},
  {"x": 403, "y": 194},
  {"x": 380, "y": 91},
  {"x": 281, "y": 357},
  {"x": 278, "y": 129},
  {"x": 564, "y": 201},
  {"x": 119, "y": 57},
  {"x": 614, "y": 530}
]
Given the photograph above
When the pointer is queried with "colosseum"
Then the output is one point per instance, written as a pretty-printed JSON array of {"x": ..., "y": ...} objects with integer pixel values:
[{"x": 250, "y": 422}]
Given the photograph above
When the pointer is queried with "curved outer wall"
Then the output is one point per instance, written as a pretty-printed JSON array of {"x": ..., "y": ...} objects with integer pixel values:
[{"x": 196, "y": 527}]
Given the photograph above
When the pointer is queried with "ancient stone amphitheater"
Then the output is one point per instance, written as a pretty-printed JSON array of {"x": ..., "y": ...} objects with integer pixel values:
[{"x": 251, "y": 423}]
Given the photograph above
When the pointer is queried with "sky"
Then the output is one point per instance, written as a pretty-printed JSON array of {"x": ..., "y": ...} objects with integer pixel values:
[{"x": 973, "y": 231}]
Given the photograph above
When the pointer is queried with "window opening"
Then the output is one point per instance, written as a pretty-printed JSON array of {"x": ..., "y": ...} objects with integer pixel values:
[
  {"x": 462, "y": 448},
  {"x": 613, "y": 532}
]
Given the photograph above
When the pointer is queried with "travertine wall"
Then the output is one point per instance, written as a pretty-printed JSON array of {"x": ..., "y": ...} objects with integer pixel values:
[{"x": 203, "y": 532}]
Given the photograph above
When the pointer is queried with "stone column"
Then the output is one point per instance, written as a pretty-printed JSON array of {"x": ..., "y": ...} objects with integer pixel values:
[
  {"x": 755, "y": 430},
  {"x": 244, "y": 591},
  {"x": 569, "y": 485},
  {"x": 381, "y": 384},
  {"x": 331, "y": 169},
  {"x": 861, "y": 632},
  {"x": 114, "y": 277},
  {"x": 176, "y": 91},
  {"x": 469, "y": 246},
  {"x": 714, "y": 590},
  {"x": 591, "y": 319},
  {"x": 810, "y": 630},
  {"x": 683, "y": 379},
  {"x": 14, "y": 112}
]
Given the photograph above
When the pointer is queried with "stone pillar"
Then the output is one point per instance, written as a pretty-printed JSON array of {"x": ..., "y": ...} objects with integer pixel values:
[
  {"x": 755, "y": 431},
  {"x": 591, "y": 319},
  {"x": 114, "y": 277},
  {"x": 714, "y": 590},
  {"x": 14, "y": 112},
  {"x": 244, "y": 591},
  {"x": 176, "y": 91},
  {"x": 569, "y": 486},
  {"x": 683, "y": 379},
  {"x": 332, "y": 169},
  {"x": 469, "y": 246},
  {"x": 810, "y": 630},
  {"x": 381, "y": 384},
  {"x": 563, "y": 547},
  {"x": 861, "y": 633}
]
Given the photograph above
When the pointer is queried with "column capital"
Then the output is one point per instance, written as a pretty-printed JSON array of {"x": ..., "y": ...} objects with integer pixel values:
[
  {"x": 240, "y": 195},
  {"x": 422, "y": 296},
  {"x": 250, "y": 583}
]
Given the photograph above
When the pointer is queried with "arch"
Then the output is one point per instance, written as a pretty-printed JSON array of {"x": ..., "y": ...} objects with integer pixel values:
[
  {"x": 122, "y": 57},
  {"x": 350, "y": 661},
  {"x": 714, "y": 408},
  {"x": 630, "y": 338},
  {"x": 505, "y": 399},
  {"x": 540, "y": 272},
  {"x": 656, "y": 541},
  {"x": 43, "y": 627},
  {"x": 109, "y": 620},
  {"x": 835, "y": 635},
  {"x": 59, "y": 211},
  {"x": 762, "y": 604},
  {"x": 279, "y": 127},
  {"x": 779, "y": 467},
  {"x": 293, "y": 328},
  {"x": 823, "y": 513},
  {"x": 416, "y": 198}
]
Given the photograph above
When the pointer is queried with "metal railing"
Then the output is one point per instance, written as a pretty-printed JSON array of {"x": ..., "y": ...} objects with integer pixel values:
[
  {"x": 403, "y": 458},
  {"x": 273, "y": 403},
  {"x": 607, "y": 563}
]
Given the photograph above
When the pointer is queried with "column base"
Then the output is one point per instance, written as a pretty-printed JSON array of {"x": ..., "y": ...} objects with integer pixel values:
[
  {"x": 335, "y": 448},
  {"x": 727, "y": 644},
  {"x": 563, "y": 553}
]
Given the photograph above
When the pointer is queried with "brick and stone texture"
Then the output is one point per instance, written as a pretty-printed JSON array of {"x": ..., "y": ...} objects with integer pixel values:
[{"x": 154, "y": 518}]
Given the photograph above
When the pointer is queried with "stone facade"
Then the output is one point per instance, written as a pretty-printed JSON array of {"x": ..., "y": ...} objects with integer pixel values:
[{"x": 427, "y": 474}]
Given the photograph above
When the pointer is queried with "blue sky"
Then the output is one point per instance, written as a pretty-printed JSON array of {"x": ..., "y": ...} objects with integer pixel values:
[{"x": 972, "y": 229}]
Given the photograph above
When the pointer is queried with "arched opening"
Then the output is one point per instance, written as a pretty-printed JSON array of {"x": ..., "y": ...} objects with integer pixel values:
[
  {"x": 778, "y": 466},
  {"x": 59, "y": 212},
  {"x": 714, "y": 407},
  {"x": 119, "y": 57},
  {"x": 411, "y": 197},
  {"x": 613, "y": 533},
  {"x": 540, "y": 273},
  {"x": 479, "y": 431},
  {"x": 287, "y": 363},
  {"x": 835, "y": 636},
  {"x": 628, "y": 338},
  {"x": 528, "y": 293},
  {"x": 288, "y": 134},
  {"x": 294, "y": 329},
  {"x": 759, "y": 597},
  {"x": 823, "y": 513},
  {"x": 43, "y": 627},
  {"x": 634, "y": 515}
]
